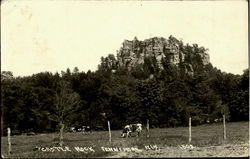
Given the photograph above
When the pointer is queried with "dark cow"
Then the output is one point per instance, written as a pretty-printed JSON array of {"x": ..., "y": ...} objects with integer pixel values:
[
  {"x": 86, "y": 129},
  {"x": 129, "y": 129}
]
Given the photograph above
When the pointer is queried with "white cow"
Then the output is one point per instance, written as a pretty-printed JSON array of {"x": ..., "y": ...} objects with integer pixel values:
[{"x": 72, "y": 129}]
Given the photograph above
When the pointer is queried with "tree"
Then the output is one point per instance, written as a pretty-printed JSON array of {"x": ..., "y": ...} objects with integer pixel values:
[
  {"x": 239, "y": 101},
  {"x": 6, "y": 75},
  {"x": 66, "y": 102},
  {"x": 149, "y": 93},
  {"x": 76, "y": 70}
]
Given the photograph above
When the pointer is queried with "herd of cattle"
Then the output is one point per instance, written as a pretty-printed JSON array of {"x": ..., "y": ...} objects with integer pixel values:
[
  {"x": 129, "y": 129},
  {"x": 126, "y": 132},
  {"x": 83, "y": 129}
]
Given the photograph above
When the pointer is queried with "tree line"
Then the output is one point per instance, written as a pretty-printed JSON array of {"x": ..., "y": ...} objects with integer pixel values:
[{"x": 167, "y": 98}]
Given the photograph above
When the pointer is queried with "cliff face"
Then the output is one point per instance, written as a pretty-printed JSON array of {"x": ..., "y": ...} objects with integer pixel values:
[{"x": 164, "y": 52}]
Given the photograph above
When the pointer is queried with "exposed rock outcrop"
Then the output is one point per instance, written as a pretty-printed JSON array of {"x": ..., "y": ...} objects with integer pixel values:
[{"x": 164, "y": 52}]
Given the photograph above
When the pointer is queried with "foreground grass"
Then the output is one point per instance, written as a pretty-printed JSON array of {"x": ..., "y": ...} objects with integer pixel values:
[{"x": 202, "y": 136}]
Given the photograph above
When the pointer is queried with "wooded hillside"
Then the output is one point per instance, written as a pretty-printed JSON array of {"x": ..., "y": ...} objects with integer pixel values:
[{"x": 145, "y": 87}]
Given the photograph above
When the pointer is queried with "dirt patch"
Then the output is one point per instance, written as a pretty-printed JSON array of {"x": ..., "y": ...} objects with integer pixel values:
[{"x": 240, "y": 150}]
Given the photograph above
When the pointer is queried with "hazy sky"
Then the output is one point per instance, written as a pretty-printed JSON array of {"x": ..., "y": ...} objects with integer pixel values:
[{"x": 42, "y": 35}]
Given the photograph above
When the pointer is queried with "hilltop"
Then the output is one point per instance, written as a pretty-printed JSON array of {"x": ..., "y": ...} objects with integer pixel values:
[{"x": 158, "y": 53}]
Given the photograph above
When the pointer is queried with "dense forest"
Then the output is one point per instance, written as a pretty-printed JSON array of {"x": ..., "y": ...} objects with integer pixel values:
[{"x": 166, "y": 94}]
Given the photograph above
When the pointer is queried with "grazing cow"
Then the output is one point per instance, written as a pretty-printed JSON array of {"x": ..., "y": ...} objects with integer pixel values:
[
  {"x": 75, "y": 129},
  {"x": 208, "y": 121},
  {"x": 86, "y": 129},
  {"x": 218, "y": 120},
  {"x": 72, "y": 129},
  {"x": 128, "y": 129},
  {"x": 80, "y": 128}
]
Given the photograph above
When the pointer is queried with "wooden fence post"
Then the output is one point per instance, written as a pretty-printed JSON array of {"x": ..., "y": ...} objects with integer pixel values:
[
  {"x": 147, "y": 128},
  {"x": 9, "y": 141},
  {"x": 61, "y": 134},
  {"x": 109, "y": 133},
  {"x": 190, "y": 135},
  {"x": 224, "y": 127}
]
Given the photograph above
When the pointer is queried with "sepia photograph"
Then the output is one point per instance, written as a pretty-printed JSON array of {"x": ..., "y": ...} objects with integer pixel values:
[{"x": 124, "y": 79}]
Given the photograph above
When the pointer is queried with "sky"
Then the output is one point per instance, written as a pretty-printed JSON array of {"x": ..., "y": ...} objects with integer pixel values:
[{"x": 47, "y": 35}]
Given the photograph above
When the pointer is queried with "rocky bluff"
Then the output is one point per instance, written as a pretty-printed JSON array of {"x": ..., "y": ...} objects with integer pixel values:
[{"x": 161, "y": 52}]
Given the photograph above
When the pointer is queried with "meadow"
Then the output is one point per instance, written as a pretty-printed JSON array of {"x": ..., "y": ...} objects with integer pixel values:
[{"x": 207, "y": 141}]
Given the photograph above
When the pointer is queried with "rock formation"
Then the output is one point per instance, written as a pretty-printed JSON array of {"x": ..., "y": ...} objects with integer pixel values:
[{"x": 164, "y": 51}]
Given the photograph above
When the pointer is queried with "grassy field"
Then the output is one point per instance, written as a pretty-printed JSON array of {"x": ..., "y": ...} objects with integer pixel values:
[{"x": 207, "y": 141}]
